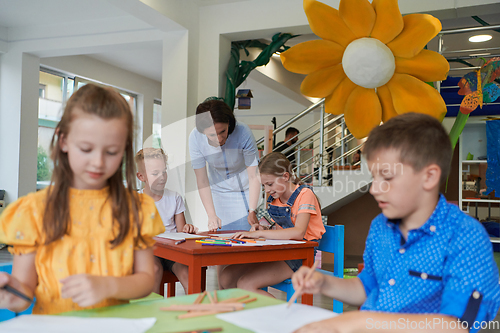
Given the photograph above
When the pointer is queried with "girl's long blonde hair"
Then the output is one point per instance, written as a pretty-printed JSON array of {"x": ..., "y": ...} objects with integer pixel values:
[{"x": 105, "y": 103}]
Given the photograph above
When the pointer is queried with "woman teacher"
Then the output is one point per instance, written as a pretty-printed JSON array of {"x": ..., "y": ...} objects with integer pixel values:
[{"x": 229, "y": 190}]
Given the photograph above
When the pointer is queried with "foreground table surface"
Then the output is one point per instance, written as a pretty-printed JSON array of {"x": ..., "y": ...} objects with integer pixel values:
[
  {"x": 195, "y": 256},
  {"x": 166, "y": 321}
]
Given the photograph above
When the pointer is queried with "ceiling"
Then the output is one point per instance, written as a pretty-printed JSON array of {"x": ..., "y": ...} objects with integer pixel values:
[{"x": 145, "y": 58}]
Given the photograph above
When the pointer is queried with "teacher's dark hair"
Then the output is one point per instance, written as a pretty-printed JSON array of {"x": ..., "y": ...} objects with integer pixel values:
[{"x": 220, "y": 112}]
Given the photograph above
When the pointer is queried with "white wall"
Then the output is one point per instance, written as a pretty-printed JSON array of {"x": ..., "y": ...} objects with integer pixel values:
[{"x": 91, "y": 68}]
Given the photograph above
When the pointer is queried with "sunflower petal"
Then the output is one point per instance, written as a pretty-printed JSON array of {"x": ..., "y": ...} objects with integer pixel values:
[
  {"x": 307, "y": 57},
  {"x": 427, "y": 66},
  {"x": 358, "y": 15},
  {"x": 418, "y": 31},
  {"x": 326, "y": 23},
  {"x": 409, "y": 94},
  {"x": 335, "y": 103},
  {"x": 385, "y": 97},
  {"x": 322, "y": 82},
  {"x": 389, "y": 21},
  {"x": 363, "y": 112}
]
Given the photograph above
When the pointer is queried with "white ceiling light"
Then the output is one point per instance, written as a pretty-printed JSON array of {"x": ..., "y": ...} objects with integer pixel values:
[{"x": 479, "y": 38}]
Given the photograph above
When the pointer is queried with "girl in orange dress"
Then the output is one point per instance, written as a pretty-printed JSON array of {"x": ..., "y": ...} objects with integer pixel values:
[{"x": 86, "y": 240}]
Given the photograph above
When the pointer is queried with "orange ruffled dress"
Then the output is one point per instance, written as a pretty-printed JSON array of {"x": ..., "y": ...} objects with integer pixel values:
[{"x": 85, "y": 250}]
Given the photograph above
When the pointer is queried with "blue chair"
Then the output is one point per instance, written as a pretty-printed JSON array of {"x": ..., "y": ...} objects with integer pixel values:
[
  {"x": 332, "y": 242},
  {"x": 6, "y": 314}
]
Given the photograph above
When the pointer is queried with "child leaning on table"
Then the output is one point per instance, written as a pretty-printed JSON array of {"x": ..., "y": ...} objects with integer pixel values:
[
  {"x": 86, "y": 240},
  {"x": 152, "y": 170},
  {"x": 295, "y": 208},
  {"x": 428, "y": 266}
]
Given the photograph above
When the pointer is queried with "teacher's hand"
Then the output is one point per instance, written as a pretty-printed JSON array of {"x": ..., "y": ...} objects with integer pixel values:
[
  {"x": 252, "y": 218},
  {"x": 214, "y": 223}
]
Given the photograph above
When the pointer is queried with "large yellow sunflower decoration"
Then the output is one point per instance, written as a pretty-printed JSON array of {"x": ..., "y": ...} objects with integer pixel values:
[{"x": 370, "y": 64}]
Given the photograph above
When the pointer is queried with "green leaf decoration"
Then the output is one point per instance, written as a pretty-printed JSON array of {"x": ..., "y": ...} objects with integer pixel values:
[{"x": 237, "y": 72}]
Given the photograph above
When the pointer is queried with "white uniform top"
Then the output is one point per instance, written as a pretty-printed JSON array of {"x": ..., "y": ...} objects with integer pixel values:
[
  {"x": 227, "y": 172},
  {"x": 168, "y": 206}
]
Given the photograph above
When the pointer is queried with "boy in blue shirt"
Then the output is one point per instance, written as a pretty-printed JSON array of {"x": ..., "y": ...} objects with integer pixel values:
[{"x": 428, "y": 266}]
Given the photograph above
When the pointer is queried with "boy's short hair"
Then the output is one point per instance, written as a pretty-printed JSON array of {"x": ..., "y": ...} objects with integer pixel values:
[
  {"x": 420, "y": 139},
  {"x": 147, "y": 153},
  {"x": 291, "y": 130}
]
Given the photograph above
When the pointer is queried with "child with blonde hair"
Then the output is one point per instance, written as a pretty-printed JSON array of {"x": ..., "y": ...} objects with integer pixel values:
[
  {"x": 152, "y": 170},
  {"x": 295, "y": 208},
  {"x": 86, "y": 240}
]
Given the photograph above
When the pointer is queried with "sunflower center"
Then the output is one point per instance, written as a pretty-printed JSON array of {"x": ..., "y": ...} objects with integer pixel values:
[{"x": 368, "y": 62}]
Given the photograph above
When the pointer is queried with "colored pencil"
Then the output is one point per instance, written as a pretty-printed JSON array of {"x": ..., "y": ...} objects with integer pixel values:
[
  {"x": 200, "y": 297},
  {"x": 210, "y": 298},
  {"x": 207, "y": 244},
  {"x": 204, "y": 307},
  {"x": 298, "y": 291},
  {"x": 16, "y": 292},
  {"x": 234, "y": 300},
  {"x": 202, "y": 313}
]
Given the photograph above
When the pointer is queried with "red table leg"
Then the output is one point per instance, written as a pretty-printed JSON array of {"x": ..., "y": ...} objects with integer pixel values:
[
  {"x": 195, "y": 277},
  {"x": 308, "y": 298}
]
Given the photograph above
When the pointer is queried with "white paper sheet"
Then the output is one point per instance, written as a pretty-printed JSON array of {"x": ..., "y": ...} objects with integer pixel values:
[
  {"x": 180, "y": 235},
  {"x": 276, "y": 318},
  {"x": 60, "y": 324}
]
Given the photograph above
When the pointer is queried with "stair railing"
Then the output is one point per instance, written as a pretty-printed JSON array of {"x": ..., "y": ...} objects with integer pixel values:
[{"x": 329, "y": 128}]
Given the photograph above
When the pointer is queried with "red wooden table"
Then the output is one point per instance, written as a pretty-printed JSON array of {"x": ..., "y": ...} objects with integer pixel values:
[{"x": 195, "y": 256}]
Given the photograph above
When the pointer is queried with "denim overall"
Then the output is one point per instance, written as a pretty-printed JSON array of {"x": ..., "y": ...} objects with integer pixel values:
[{"x": 282, "y": 216}]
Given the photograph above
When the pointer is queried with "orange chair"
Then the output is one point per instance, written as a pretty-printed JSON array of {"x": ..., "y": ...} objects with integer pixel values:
[{"x": 171, "y": 279}]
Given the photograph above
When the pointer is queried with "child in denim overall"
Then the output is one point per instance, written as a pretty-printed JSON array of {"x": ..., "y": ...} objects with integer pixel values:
[{"x": 295, "y": 208}]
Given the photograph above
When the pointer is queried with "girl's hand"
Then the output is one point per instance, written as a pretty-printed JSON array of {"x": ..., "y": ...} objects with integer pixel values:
[
  {"x": 311, "y": 286},
  {"x": 86, "y": 289},
  {"x": 190, "y": 229},
  {"x": 214, "y": 223},
  {"x": 7, "y": 299},
  {"x": 246, "y": 234}
]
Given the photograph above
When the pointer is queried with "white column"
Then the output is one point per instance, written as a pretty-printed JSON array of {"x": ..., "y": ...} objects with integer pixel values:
[{"x": 18, "y": 123}]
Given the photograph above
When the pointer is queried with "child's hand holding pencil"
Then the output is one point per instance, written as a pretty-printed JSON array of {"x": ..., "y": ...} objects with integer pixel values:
[
  {"x": 307, "y": 281},
  {"x": 12, "y": 293}
]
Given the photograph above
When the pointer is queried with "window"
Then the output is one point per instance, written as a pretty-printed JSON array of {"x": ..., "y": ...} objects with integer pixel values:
[
  {"x": 55, "y": 88},
  {"x": 157, "y": 124}
]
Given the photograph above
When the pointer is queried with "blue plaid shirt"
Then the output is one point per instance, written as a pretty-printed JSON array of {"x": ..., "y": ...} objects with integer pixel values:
[{"x": 446, "y": 266}]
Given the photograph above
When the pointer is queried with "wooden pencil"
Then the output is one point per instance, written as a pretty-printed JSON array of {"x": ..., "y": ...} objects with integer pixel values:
[
  {"x": 249, "y": 300},
  {"x": 200, "y": 313},
  {"x": 210, "y": 298},
  {"x": 200, "y": 297},
  {"x": 234, "y": 300},
  {"x": 215, "y": 296},
  {"x": 204, "y": 307},
  {"x": 299, "y": 291}
]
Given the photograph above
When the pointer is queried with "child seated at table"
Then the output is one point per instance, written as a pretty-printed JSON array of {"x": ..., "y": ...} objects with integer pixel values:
[
  {"x": 295, "y": 208},
  {"x": 85, "y": 241},
  {"x": 428, "y": 266},
  {"x": 152, "y": 170}
]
